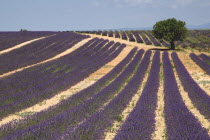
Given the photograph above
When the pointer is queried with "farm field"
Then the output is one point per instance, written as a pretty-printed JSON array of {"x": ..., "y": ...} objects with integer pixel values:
[{"x": 103, "y": 85}]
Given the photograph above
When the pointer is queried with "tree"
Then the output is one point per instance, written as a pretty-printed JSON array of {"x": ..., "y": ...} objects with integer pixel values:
[
  {"x": 23, "y": 30},
  {"x": 170, "y": 30}
]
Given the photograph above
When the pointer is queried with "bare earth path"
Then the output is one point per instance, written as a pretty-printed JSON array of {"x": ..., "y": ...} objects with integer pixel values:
[
  {"x": 160, "y": 125},
  {"x": 21, "y": 45}
]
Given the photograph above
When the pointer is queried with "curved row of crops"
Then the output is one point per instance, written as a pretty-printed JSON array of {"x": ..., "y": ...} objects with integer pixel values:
[
  {"x": 204, "y": 64},
  {"x": 38, "y": 51},
  {"x": 10, "y": 39}
]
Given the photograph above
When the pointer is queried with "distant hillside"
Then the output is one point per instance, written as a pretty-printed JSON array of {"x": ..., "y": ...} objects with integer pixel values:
[
  {"x": 191, "y": 27},
  {"x": 139, "y": 28},
  {"x": 199, "y": 27}
]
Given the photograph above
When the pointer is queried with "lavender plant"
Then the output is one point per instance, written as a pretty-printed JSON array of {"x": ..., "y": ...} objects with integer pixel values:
[
  {"x": 146, "y": 40},
  {"x": 205, "y": 58},
  {"x": 205, "y": 66},
  {"x": 10, "y": 39},
  {"x": 138, "y": 38}
]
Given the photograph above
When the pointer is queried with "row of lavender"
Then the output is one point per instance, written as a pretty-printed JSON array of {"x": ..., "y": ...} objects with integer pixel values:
[
  {"x": 38, "y": 51},
  {"x": 10, "y": 39},
  {"x": 34, "y": 85},
  {"x": 203, "y": 61},
  {"x": 133, "y": 36},
  {"x": 91, "y": 112}
]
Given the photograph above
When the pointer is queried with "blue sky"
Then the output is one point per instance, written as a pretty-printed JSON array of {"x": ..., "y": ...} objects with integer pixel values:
[{"x": 62, "y": 15}]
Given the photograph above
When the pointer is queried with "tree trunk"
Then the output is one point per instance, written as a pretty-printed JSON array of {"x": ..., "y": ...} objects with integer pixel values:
[{"x": 172, "y": 45}]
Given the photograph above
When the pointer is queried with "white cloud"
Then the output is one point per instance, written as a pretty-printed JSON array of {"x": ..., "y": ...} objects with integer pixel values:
[
  {"x": 134, "y": 3},
  {"x": 184, "y": 2},
  {"x": 174, "y": 4}
]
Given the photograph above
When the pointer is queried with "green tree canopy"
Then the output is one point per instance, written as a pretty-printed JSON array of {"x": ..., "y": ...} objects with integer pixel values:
[
  {"x": 23, "y": 30},
  {"x": 170, "y": 30}
]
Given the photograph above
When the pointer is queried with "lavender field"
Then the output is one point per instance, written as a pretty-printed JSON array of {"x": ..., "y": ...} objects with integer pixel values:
[{"x": 120, "y": 85}]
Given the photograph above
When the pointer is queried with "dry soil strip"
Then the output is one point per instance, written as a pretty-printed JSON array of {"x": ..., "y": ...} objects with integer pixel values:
[
  {"x": 148, "y": 39},
  {"x": 142, "y": 38},
  {"x": 53, "y": 58},
  {"x": 22, "y": 44},
  {"x": 111, "y": 133},
  {"x": 76, "y": 88},
  {"x": 160, "y": 125},
  {"x": 204, "y": 122},
  {"x": 134, "y": 37}
]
